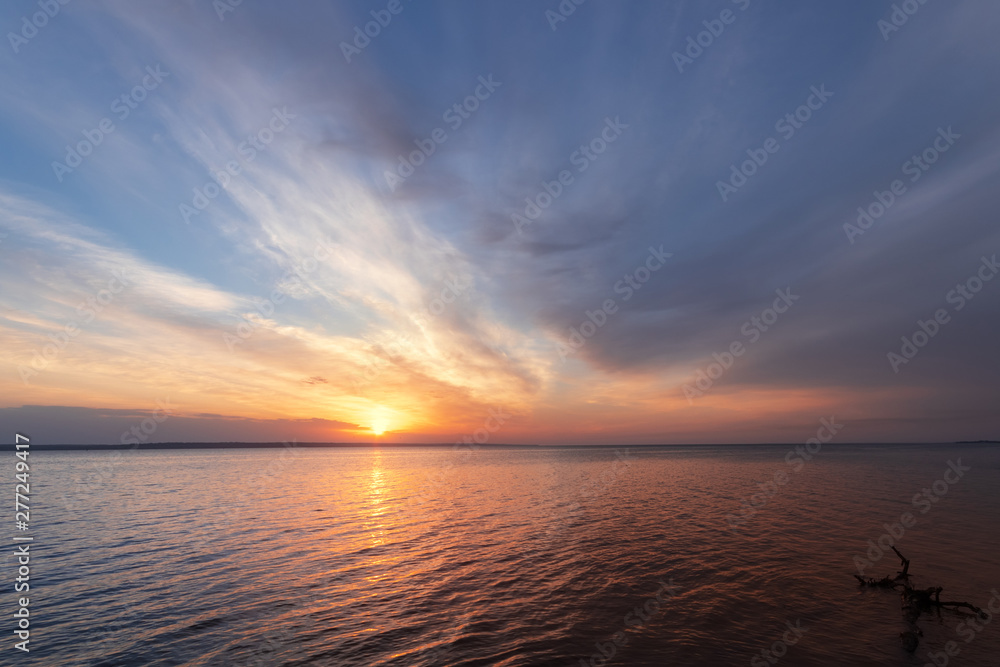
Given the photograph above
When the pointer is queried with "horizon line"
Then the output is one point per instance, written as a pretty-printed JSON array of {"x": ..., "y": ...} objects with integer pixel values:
[{"x": 293, "y": 444}]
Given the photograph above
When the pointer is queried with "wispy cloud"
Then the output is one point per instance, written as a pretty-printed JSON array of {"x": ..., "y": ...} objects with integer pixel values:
[{"x": 320, "y": 270}]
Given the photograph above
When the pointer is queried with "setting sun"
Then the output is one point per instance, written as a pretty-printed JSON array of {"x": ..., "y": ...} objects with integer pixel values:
[{"x": 380, "y": 420}]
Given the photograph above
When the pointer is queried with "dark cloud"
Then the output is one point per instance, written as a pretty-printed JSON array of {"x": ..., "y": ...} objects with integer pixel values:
[{"x": 62, "y": 425}]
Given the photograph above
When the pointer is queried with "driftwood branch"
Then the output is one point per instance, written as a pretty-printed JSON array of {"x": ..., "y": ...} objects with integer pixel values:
[
  {"x": 887, "y": 581},
  {"x": 904, "y": 561},
  {"x": 915, "y": 601}
]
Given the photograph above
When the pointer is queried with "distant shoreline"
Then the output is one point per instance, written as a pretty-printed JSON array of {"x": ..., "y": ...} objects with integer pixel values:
[{"x": 404, "y": 445}]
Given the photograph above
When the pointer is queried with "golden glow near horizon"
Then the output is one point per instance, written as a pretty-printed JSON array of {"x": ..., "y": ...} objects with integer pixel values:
[
  {"x": 320, "y": 295},
  {"x": 381, "y": 420}
]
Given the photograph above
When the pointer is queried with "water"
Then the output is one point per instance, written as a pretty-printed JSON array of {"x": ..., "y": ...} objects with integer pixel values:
[{"x": 429, "y": 556}]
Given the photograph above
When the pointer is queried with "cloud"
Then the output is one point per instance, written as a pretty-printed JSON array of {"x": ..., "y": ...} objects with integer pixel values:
[
  {"x": 308, "y": 288},
  {"x": 65, "y": 425}
]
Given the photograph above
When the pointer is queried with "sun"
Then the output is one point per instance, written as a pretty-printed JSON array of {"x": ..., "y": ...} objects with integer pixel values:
[
  {"x": 380, "y": 425},
  {"x": 380, "y": 420}
]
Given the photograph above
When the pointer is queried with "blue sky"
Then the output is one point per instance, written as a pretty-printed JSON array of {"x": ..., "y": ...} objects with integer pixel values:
[{"x": 358, "y": 344}]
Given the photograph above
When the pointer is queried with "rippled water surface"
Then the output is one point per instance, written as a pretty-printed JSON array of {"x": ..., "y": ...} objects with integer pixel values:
[{"x": 537, "y": 556}]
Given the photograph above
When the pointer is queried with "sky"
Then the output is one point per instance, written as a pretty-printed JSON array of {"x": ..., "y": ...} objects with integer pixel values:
[{"x": 511, "y": 222}]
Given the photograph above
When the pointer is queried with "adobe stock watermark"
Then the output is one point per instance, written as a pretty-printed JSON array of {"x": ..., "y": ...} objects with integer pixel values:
[
  {"x": 137, "y": 434},
  {"x": 915, "y": 167},
  {"x": 638, "y": 617},
  {"x": 779, "y": 648},
  {"x": 898, "y": 17},
  {"x": 223, "y": 7},
  {"x": 968, "y": 630},
  {"x": 374, "y": 368},
  {"x": 922, "y": 501},
  {"x": 29, "y": 28},
  {"x": 105, "y": 636},
  {"x": 559, "y": 519},
  {"x": 696, "y": 44},
  {"x": 268, "y": 642},
  {"x": 562, "y": 12},
  {"x": 440, "y": 644},
  {"x": 598, "y": 487},
  {"x": 786, "y": 126},
  {"x": 274, "y": 471},
  {"x": 495, "y": 420},
  {"x": 86, "y": 311},
  {"x": 454, "y": 116},
  {"x": 142, "y": 431},
  {"x": 372, "y": 29},
  {"x": 255, "y": 144},
  {"x": 627, "y": 286},
  {"x": 796, "y": 459},
  {"x": 294, "y": 278},
  {"x": 929, "y": 328},
  {"x": 122, "y": 106},
  {"x": 454, "y": 287},
  {"x": 450, "y": 292},
  {"x": 581, "y": 158},
  {"x": 753, "y": 329}
]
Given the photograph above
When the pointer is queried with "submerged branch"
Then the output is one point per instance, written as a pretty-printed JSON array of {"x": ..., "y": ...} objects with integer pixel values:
[{"x": 915, "y": 601}]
